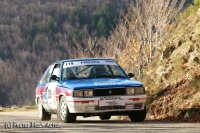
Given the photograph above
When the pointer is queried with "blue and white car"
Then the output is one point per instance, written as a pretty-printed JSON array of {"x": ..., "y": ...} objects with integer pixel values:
[{"x": 89, "y": 87}]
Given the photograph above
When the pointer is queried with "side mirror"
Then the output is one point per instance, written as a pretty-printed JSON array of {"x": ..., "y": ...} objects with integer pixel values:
[
  {"x": 54, "y": 77},
  {"x": 131, "y": 75}
]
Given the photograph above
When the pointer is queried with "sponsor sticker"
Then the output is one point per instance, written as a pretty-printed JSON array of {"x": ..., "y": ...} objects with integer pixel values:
[
  {"x": 89, "y": 62},
  {"x": 109, "y": 98},
  {"x": 111, "y": 102},
  {"x": 44, "y": 95},
  {"x": 106, "y": 83}
]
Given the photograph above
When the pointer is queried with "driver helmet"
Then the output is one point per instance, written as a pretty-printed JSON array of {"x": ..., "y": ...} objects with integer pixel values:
[
  {"x": 100, "y": 69},
  {"x": 69, "y": 73}
]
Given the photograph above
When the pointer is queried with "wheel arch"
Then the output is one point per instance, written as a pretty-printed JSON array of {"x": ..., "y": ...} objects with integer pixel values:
[
  {"x": 37, "y": 99},
  {"x": 58, "y": 102},
  {"x": 60, "y": 97}
]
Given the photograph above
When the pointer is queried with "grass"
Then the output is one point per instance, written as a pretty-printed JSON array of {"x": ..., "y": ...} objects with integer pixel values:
[
  {"x": 158, "y": 94},
  {"x": 178, "y": 67},
  {"x": 188, "y": 112},
  {"x": 154, "y": 62},
  {"x": 17, "y": 108},
  {"x": 150, "y": 99},
  {"x": 194, "y": 83},
  {"x": 197, "y": 30},
  {"x": 191, "y": 10}
]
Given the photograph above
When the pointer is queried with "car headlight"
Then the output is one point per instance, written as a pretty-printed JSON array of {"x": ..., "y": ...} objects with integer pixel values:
[
  {"x": 134, "y": 90},
  {"x": 78, "y": 93},
  {"x": 130, "y": 91},
  {"x": 88, "y": 93},
  {"x": 139, "y": 90}
]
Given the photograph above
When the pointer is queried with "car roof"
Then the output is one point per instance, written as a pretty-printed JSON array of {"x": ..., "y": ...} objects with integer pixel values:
[{"x": 81, "y": 59}]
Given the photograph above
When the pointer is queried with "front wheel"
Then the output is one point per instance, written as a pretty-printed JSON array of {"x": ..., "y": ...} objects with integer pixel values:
[
  {"x": 138, "y": 116},
  {"x": 43, "y": 115},
  {"x": 65, "y": 115}
]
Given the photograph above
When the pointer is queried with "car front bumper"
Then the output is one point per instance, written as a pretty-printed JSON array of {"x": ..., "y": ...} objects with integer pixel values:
[{"x": 100, "y": 104}]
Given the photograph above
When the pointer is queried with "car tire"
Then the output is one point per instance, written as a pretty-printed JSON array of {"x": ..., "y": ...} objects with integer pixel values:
[
  {"x": 138, "y": 116},
  {"x": 105, "y": 117},
  {"x": 65, "y": 115},
  {"x": 43, "y": 115},
  {"x": 58, "y": 111}
]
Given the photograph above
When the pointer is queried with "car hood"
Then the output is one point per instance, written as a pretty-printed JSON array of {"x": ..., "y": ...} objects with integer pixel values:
[{"x": 99, "y": 83}]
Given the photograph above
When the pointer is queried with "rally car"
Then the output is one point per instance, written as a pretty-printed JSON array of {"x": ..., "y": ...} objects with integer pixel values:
[{"x": 89, "y": 87}]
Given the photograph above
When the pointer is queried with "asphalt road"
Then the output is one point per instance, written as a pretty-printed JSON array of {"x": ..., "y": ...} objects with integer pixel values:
[{"x": 28, "y": 122}]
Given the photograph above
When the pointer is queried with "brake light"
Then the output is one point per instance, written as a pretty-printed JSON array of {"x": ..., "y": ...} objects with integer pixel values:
[
  {"x": 134, "y": 99},
  {"x": 87, "y": 101}
]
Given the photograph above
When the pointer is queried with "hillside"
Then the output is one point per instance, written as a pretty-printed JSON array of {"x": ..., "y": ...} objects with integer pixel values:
[
  {"x": 35, "y": 33},
  {"x": 172, "y": 79}
]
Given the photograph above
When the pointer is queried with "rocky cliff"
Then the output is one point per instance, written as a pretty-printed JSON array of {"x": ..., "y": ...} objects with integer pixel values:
[{"x": 172, "y": 79}]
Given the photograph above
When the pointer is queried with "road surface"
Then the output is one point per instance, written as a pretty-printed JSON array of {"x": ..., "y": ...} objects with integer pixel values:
[{"x": 28, "y": 121}]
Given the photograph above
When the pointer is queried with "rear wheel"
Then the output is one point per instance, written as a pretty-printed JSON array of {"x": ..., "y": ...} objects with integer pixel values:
[
  {"x": 43, "y": 115},
  {"x": 105, "y": 117},
  {"x": 138, "y": 116},
  {"x": 65, "y": 115}
]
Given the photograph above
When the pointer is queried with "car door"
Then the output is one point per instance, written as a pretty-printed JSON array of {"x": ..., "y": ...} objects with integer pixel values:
[
  {"x": 44, "y": 82},
  {"x": 51, "y": 89}
]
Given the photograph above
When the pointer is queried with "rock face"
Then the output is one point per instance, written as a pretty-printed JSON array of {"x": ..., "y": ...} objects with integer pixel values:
[
  {"x": 198, "y": 13},
  {"x": 194, "y": 57},
  {"x": 173, "y": 77},
  {"x": 167, "y": 52}
]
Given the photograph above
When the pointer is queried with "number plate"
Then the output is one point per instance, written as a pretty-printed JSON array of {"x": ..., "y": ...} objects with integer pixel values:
[
  {"x": 110, "y": 98},
  {"x": 111, "y": 102}
]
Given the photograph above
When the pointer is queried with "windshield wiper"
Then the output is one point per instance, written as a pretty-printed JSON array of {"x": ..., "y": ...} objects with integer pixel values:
[
  {"x": 109, "y": 76},
  {"x": 104, "y": 76},
  {"x": 71, "y": 78},
  {"x": 119, "y": 76}
]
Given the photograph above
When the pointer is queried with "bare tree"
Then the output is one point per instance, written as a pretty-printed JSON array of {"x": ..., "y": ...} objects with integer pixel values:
[
  {"x": 142, "y": 30},
  {"x": 149, "y": 21}
]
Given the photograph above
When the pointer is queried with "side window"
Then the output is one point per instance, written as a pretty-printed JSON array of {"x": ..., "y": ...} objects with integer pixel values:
[
  {"x": 56, "y": 71},
  {"x": 47, "y": 75}
]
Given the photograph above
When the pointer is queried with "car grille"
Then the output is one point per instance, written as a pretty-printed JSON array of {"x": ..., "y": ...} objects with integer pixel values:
[
  {"x": 109, "y": 91},
  {"x": 138, "y": 106},
  {"x": 109, "y": 107}
]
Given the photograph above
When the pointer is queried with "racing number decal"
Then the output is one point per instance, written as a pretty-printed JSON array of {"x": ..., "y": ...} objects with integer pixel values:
[
  {"x": 69, "y": 63},
  {"x": 49, "y": 93}
]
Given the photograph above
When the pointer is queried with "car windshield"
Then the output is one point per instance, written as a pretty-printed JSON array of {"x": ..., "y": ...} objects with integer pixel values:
[{"x": 90, "y": 69}]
